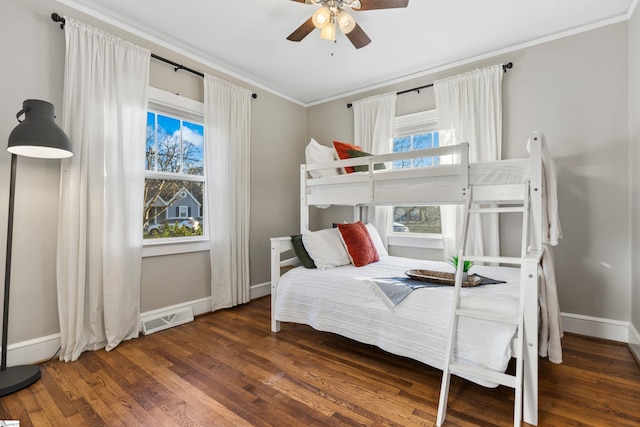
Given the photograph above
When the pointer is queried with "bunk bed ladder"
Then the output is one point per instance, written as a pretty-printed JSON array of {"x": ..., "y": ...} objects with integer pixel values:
[{"x": 457, "y": 368}]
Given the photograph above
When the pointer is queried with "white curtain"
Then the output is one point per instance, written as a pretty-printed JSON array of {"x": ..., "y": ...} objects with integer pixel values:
[
  {"x": 373, "y": 120},
  {"x": 227, "y": 111},
  {"x": 99, "y": 251},
  {"x": 470, "y": 110}
]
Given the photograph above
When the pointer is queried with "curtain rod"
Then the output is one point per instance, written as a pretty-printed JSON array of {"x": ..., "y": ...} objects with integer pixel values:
[
  {"x": 57, "y": 18},
  {"x": 505, "y": 67}
]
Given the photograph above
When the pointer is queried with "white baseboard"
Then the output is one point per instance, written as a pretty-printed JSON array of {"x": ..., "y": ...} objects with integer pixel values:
[
  {"x": 260, "y": 290},
  {"x": 33, "y": 351},
  {"x": 598, "y": 327},
  {"x": 44, "y": 348}
]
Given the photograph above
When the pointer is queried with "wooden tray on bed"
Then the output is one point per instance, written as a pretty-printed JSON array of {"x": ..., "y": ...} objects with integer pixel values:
[{"x": 441, "y": 277}]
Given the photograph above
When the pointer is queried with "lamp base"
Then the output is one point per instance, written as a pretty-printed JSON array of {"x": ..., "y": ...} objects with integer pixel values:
[{"x": 18, "y": 377}]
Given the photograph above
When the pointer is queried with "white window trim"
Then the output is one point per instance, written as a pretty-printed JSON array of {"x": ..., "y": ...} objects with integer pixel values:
[
  {"x": 167, "y": 102},
  {"x": 181, "y": 245},
  {"x": 172, "y": 103},
  {"x": 415, "y": 240},
  {"x": 411, "y": 124}
]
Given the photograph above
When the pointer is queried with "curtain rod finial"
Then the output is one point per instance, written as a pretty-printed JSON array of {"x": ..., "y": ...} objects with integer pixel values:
[{"x": 57, "y": 18}]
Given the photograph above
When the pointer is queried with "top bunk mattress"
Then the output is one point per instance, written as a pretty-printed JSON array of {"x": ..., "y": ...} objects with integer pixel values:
[{"x": 393, "y": 185}]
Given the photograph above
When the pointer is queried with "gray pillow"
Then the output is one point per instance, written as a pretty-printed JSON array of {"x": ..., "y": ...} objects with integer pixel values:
[
  {"x": 301, "y": 252},
  {"x": 364, "y": 168}
]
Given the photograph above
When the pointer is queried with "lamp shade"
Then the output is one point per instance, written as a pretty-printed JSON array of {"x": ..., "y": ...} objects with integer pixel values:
[
  {"x": 328, "y": 32},
  {"x": 346, "y": 22},
  {"x": 38, "y": 135},
  {"x": 321, "y": 17}
]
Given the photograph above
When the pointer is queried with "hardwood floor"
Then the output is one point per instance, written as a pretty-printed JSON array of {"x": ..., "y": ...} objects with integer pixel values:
[{"x": 228, "y": 369}]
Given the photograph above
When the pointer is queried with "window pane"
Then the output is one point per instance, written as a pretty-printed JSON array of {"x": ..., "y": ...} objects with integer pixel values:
[
  {"x": 420, "y": 142},
  {"x": 173, "y": 208},
  {"x": 193, "y": 148},
  {"x": 416, "y": 219},
  {"x": 401, "y": 145},
  {"x": 169, "y": 146}
]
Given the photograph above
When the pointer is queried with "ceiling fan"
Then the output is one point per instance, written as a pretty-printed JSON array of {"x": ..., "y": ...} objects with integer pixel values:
[{"x": 332, "y": 14}]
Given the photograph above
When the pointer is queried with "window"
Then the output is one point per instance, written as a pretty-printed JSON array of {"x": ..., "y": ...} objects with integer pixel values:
[
  {"x": 174, "y": 188},
  {"x": 416, "y": 132}
]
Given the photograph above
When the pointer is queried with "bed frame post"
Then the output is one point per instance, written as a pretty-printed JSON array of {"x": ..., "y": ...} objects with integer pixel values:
[
  {"x": 304, "y": 208},
  {"x": 279, "y": 245},
  {"x": 536, "y": 190},
  {"x": 275, "y": 277},
  {"x": 529, "y": 279}
]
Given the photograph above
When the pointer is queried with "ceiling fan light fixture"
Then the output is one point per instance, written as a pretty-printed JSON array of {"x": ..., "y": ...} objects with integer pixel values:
[
  {"x": 321, "y": 17},
  {"x": 328, "y": 32},
  {"x": 346, "y": 22},
  {"x": 332, "y": 13}
]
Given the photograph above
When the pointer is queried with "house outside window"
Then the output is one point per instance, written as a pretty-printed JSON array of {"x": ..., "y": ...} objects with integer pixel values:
[
  {"x": 416, "y": 132},
  {"x": 174, "y": 189}
]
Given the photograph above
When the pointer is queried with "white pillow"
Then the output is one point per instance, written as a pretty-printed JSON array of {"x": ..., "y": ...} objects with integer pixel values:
[
  {"x": 377, "y": 240},
  {"x": 318, "y": 153},
  {"x": 325, "y": 248}
]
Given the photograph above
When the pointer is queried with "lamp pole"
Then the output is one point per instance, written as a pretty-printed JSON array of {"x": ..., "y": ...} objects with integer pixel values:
[
  {"x": 16, "y": 377},
  {"x": 7, "y": 266}
]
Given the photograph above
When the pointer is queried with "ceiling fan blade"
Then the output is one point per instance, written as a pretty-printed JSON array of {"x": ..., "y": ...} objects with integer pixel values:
[
  {"x": 382, "y": 4},
  {"x": 302, "y": 31},
  {"x": 299, "y": 1},
  {"x": 358, "y": 37}
]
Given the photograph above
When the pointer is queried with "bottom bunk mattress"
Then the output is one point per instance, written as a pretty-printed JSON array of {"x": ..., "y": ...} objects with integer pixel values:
[{"x": 350, "y": 301}]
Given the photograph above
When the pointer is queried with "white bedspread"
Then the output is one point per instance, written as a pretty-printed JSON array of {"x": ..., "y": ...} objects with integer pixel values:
[{"x": 344, "y": 301}]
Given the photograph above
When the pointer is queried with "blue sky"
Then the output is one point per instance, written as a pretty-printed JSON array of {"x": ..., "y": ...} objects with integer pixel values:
[{"x": 190, "y": 132}]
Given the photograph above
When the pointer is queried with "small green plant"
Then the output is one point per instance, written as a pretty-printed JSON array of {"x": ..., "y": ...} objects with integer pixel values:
[{"x": 466, "y": 265}]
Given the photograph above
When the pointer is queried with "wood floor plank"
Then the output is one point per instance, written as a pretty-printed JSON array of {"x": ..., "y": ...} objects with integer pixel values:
[{"x": 228, "y": 369}]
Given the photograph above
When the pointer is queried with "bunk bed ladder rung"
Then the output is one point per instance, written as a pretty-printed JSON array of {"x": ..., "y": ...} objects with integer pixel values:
[
  {"x": 484, "y": 374},
  {"x": 456, "y": 368}
]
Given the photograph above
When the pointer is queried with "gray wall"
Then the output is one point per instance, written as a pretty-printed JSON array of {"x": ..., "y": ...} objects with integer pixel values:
[
  {"x": 575, "y": 90},
  {"x": 33, "y": 48}
]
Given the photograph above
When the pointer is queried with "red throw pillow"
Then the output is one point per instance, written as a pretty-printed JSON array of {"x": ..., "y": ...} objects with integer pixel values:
[
  {"x": 358, "y": 242},
  {"x": 342, "y": 148}
]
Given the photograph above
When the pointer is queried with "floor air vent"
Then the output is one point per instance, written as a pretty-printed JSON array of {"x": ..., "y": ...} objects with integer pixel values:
[{"x": 166, "y": 320}]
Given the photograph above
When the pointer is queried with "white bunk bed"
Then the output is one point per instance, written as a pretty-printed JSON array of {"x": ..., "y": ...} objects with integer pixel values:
[{"x": 418, "y": 326}]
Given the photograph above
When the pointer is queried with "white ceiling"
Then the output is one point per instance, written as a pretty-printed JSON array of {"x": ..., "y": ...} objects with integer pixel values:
[{"x": 247, "y": 38}]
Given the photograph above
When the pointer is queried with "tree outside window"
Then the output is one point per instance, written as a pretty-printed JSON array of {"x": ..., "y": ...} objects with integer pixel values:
[
  {"x": 416, "y": 219},
  {"x": 174, "y": 182}
]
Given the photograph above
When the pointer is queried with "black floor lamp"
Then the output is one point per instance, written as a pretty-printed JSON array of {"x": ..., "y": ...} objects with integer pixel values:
[{"x": 36, "y": 136}]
